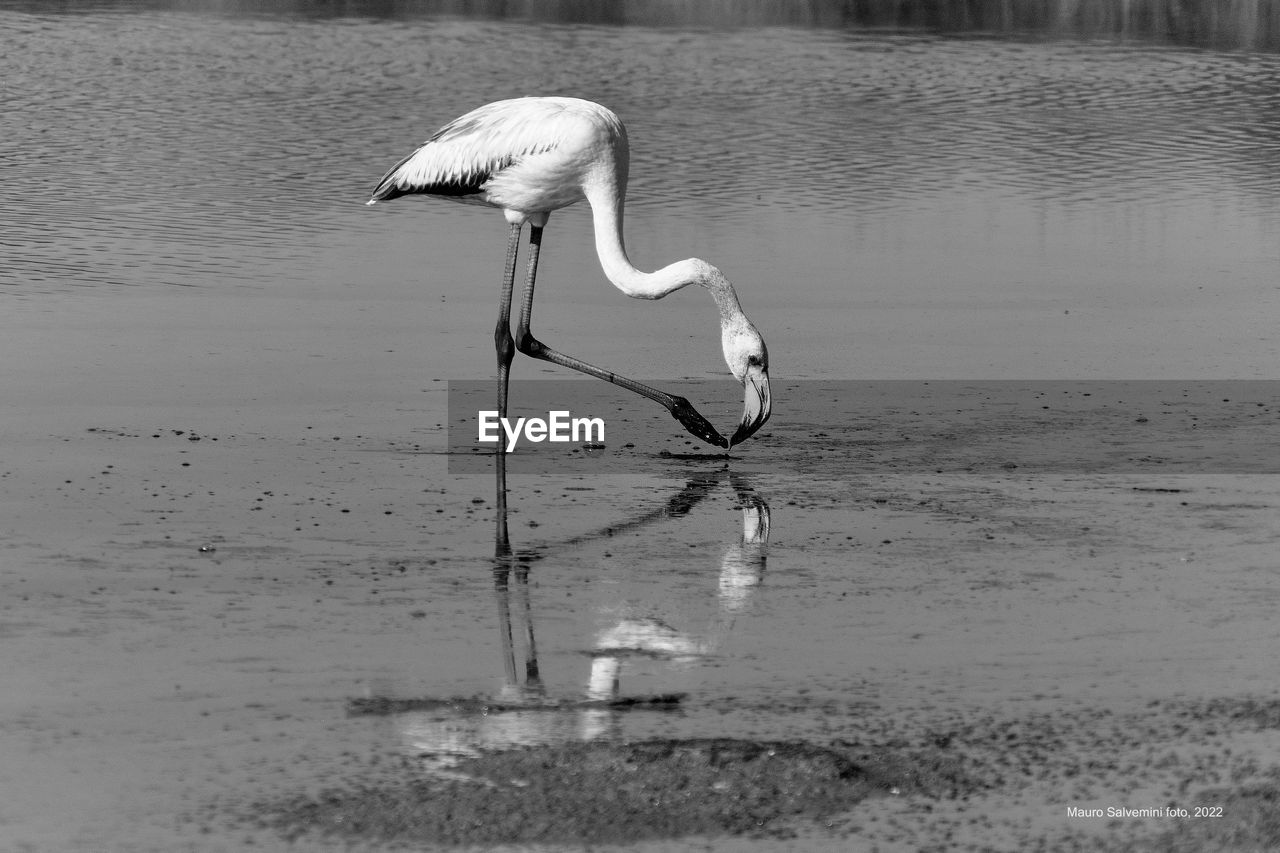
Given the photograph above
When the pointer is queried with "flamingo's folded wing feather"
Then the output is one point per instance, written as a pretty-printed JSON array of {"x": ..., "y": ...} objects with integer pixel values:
[{"x": 461, "y": 157}]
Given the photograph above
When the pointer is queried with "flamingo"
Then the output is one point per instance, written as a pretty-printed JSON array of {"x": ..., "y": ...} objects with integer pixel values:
[{"x": 530, "y": 156}]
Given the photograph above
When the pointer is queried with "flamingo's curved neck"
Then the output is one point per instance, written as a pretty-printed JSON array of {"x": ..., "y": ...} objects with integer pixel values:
[{"x": 606, "y": 210}]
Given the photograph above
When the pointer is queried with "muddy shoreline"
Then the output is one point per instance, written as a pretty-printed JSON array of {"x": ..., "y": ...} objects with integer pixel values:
[
  {"x": 1045, "y": 781},
  {"x": 235, "y": 640}
]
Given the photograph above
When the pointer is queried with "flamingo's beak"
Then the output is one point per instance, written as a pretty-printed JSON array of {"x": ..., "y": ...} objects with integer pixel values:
[{"x": 757, "y": 405}]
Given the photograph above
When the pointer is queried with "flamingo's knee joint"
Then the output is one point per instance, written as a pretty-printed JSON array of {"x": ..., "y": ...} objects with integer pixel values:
[
  {"x": 505, "y": 346},
  {"x": 528, "y": 344}
]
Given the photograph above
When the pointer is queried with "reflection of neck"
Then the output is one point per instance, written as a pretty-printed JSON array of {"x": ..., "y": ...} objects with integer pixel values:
[
  {"x": 742, "y": 566},
  {"x": 603, "y": 685}
]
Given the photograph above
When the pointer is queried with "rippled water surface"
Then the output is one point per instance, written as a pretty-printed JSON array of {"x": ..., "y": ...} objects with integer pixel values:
[
  {"x": 987, "y": 184},
  {"x": 225, "y": 382}
]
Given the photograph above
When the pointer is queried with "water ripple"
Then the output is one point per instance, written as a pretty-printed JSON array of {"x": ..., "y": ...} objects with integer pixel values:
[{"x": 166, "y": 148}]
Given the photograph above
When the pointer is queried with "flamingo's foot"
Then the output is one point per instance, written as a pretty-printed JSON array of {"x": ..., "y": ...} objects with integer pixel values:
[{"x": 683, "y": 411}]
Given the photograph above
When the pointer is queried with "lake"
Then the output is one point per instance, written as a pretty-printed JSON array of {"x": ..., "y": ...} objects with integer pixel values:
[{"x": 231, "y": 514}]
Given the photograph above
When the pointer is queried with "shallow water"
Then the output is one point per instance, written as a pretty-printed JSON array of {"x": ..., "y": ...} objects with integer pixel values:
[
  {"x": 228, "y": 506},
  {"x": 937, "y": 207}
]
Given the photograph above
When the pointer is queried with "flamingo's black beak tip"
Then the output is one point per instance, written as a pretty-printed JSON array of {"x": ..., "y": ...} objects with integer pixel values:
[{"x": 757, "y": 406}]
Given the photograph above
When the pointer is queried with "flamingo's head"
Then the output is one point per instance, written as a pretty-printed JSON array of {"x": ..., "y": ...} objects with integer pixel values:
[{"x": 748, "y": 360}]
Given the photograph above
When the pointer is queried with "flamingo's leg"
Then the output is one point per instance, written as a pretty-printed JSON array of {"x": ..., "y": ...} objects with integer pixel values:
[
  {"x": 679, "y": 407},
  {"x": 506, "y": 348},
  {"x": 502, "y": 333}
]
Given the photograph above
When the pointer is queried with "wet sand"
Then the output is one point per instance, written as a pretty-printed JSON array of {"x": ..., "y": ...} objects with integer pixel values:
[{"x": 203, "y": 576}]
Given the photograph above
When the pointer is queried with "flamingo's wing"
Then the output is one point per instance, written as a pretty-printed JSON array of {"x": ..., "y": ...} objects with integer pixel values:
[{"x": 465, "y": 154}]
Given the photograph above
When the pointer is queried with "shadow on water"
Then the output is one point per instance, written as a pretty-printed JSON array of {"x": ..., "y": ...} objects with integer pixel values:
[{"x": 527, "y": 713}]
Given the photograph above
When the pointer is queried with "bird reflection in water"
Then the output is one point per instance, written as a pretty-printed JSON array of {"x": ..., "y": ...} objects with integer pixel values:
[
  {"x": 524, "y": 713},
  {"x": 741, "y": 571}
]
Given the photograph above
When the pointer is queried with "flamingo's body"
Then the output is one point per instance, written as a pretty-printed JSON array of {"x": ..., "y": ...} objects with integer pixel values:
[{"x": 530, "y": 156}]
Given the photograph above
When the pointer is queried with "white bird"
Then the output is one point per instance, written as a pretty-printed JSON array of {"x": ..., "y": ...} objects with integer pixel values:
[{"x": 530, "y": 156}]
